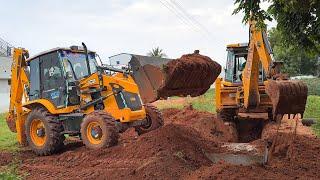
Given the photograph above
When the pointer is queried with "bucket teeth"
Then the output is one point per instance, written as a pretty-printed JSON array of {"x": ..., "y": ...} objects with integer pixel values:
[{"x": 288, "y": 97}]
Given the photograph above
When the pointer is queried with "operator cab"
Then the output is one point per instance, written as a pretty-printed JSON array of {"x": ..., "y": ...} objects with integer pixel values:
[
  {"x": 237, "y": 55},
  {"x": 52, "y": 74}
]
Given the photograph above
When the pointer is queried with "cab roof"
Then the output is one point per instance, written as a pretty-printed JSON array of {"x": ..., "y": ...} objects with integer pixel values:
[
  {"x": 72, "y": 48},
  {"x": 238, "y": 45}
]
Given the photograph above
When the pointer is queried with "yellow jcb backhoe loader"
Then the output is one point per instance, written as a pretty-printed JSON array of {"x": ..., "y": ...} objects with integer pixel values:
[
  {"x": 254, "y": 87},
  {"x": 64, "y": 91}
]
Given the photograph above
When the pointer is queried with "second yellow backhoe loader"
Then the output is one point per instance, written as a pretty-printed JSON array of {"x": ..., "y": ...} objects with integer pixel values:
[{"x": 254, "y": 87}]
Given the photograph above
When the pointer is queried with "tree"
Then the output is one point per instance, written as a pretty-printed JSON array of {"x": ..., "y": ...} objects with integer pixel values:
[
  {"x": 297, "y": 60},
  {"x": 157, "y": 52},
  {"x": 298, "y": 20}
]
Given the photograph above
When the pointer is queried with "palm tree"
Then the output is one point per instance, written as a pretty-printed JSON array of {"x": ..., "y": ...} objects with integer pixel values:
[{"x": 157, "y": 52}]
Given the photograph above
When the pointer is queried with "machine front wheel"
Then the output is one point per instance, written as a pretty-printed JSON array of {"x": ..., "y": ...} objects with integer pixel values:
[
  {"x": 154, "y": 120},
  {"x": 98, "y": 130}
]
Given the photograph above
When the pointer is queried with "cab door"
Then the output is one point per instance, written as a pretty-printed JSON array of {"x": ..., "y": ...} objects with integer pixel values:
[{"x": 53, "y": 84}]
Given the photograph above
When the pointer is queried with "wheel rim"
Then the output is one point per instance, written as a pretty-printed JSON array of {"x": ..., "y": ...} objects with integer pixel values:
[
  {"x": 148, "y": 123},
  {"x": 94, "y": 133},
  {"x": 38, "y": 132}
]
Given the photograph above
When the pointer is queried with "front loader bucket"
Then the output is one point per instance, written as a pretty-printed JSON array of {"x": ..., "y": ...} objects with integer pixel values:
[
  {"x": 287, "y": 96},
  {"x": 159, "y": 78}
]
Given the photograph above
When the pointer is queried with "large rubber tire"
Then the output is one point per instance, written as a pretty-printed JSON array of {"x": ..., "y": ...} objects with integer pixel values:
[
  {"x": 53, "y": 137},
  {"x": 154, "y": 118},
  {"x": 109, "y": 133}
]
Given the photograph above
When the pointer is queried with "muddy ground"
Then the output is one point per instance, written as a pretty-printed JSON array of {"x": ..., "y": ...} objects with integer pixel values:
[{"x": 182, "y": 149}]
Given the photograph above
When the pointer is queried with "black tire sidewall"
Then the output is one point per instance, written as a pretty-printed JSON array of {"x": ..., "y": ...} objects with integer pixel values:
[
  {"x": 155, "y": 117},
  {"x": 52, "y": 143}
]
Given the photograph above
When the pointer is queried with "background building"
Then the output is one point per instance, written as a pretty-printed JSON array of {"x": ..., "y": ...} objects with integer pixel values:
[{"x": 5, "y": 74}]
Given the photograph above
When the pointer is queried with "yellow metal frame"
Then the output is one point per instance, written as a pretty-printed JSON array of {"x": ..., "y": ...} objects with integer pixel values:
[
  {"x": 250, "y": 94},
  {"x": 20, "y": 106}
]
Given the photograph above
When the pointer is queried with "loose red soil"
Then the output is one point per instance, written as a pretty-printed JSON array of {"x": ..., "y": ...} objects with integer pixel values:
[
  {"x": 175, "y": 151},
  {"x": 192, "y": 74}
]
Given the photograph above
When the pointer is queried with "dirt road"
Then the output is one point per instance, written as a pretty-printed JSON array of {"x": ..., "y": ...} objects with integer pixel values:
[{"x": 178, "y": 150}]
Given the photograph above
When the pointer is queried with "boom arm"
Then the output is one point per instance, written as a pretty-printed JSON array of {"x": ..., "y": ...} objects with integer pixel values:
[
  {"x": 258, "y": 52},
  {"x": 15, "y": 118}
]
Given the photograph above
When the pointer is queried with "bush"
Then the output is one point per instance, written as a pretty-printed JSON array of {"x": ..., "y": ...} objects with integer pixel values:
[{"x": 313, "y": 86}]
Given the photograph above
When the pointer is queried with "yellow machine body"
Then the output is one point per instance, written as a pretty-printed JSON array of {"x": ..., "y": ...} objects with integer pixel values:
[
  {"x": 109, "y": 86},
  {"x": 253, "y": 84}
]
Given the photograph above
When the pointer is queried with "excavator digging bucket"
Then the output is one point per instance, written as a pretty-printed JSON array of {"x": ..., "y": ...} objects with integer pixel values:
[
  {"x": 287, "y": 96},
  {"x": 159, "y": 78}
]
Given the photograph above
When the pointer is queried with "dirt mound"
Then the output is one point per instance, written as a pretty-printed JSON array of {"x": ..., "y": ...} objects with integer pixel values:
[
  {"x": 165, "y": 153},
  {"x": 207, "y": 124},
  {"x": 192, "y": 74},
  {"x": 178, "y": 150}
]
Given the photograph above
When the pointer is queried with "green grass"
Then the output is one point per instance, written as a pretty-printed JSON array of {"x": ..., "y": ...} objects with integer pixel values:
[
  {"x": 313, "y": 86},
  {"x": 313, "y": 111},
  {"x": 10, "y": 172},
  {"x": 205, "y": 102},
  {"x": 8, "y": 141}
]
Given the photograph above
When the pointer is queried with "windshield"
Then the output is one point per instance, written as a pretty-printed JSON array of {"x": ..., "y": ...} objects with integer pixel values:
[{"x": 75, "y": 64}]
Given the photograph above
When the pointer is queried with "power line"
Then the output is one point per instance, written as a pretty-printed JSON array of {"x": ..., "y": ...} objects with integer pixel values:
[
  {"x": 177, "y": 8},
  {"x": 178, "y": 15},
  {"x": 190, "y": 17}
]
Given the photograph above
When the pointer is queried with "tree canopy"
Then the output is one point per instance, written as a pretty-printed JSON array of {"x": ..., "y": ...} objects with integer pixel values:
[
  {"x": 296, "y": 60},
  {"x": 298, "y": 20}
]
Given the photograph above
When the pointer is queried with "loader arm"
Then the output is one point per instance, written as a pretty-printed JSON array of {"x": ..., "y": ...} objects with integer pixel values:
[{"x": 19, "y": 79}]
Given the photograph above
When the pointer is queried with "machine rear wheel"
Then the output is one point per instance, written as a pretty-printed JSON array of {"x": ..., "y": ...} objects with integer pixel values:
[
  {"x": 98, "y": 130},
  {"x": 44, "y": 133},
  {"x": 154, "y": 120}
]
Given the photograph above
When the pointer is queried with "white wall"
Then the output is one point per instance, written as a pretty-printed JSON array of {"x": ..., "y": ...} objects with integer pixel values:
[{"x": 5, "y": 73}]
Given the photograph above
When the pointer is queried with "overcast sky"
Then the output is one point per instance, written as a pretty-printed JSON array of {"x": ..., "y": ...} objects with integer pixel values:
[{"x": 115, "y": 26}]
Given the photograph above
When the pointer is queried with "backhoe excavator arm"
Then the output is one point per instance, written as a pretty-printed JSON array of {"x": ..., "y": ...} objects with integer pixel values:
[
  {"x": 288, "y": 97},
  {"x": 257, "y": 53},
  {"x": 19, "y": 79}
]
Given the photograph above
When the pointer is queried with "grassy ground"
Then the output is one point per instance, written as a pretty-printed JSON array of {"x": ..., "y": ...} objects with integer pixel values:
[
  {"x": 8, "y": 140},
  {"x": 205, "y": 102},
  {"x": 313, "y": 111},
  {"x": 313, "y": 86},
  {"x": 10, "y": 172},
  {"x": 8, "y": 143}
]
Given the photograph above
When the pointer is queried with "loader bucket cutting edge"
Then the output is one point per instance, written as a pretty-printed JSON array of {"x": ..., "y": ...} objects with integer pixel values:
[
  {"x": 192, "y": 74},
  {"x": 288, "y": 97}
]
